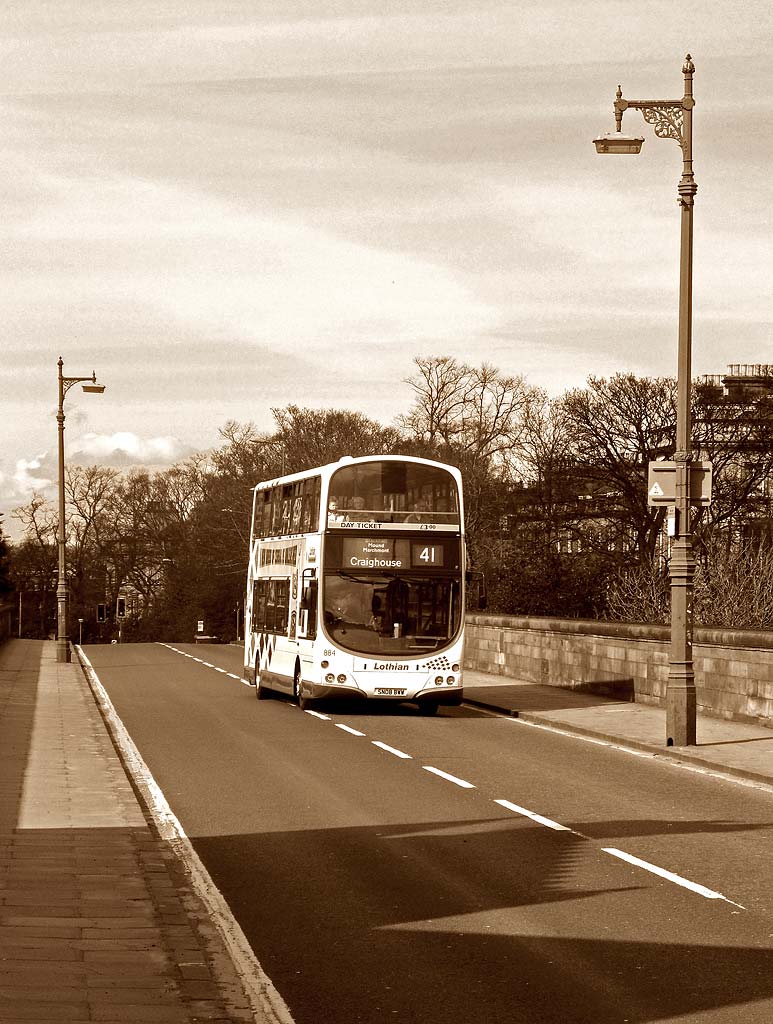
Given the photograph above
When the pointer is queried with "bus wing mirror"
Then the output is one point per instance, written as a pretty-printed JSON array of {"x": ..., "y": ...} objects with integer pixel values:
[{"x": 473, "y": 576}]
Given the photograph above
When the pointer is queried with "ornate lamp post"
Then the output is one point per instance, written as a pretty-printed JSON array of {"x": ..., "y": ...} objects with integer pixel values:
[
  {"x": 65, "y": 383},
  {"x": 672, "y": 119}
]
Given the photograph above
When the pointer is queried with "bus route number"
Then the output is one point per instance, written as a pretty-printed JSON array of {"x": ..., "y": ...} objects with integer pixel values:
[{"x": 428, "y": 554}]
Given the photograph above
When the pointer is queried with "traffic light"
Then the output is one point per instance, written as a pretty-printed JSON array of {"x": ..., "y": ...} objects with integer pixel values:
[
  {"x": 101, "y": 616},
  {"x": 120, "y": 608}
]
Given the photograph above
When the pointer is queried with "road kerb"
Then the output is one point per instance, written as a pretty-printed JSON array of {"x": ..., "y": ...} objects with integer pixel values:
[
  {"x": 678, "y": 755},
  {"x": 267, "y": 1004}
]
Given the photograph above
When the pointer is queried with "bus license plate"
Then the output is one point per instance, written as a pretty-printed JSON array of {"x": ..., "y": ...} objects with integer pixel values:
[{"x": 390, "y": 691}]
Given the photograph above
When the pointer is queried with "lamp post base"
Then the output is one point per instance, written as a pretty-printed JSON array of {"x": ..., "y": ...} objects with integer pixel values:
[
  {"x": 62, "y": 650},
  {"x": 681, "y": 703},
  {"x": 681, "y": 714}
]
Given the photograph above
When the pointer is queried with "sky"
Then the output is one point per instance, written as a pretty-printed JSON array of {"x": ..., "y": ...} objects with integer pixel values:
[{"x": 223, "y": 207}]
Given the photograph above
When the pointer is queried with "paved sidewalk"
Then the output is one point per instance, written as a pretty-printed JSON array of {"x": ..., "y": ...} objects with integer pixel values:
[
  {"x": 738, "y": 749},
  {"x": 97, "y": 919}
]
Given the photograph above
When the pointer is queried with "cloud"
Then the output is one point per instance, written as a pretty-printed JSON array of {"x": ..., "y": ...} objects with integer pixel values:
[
  {"x": 125, "y": 449},
  {"x": 39, "y": 474}
]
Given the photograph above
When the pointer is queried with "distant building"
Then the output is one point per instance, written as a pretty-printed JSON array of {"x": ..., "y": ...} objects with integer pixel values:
[
  {"x": 739, "y": 405},
  {"x": 744, "y": 383}
]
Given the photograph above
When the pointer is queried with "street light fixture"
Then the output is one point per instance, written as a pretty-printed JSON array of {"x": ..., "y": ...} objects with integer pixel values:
[
  {"x": 65, "y": 383},
  {"x": 616, "y": 142},
  {"x": 672, "y": 119}
]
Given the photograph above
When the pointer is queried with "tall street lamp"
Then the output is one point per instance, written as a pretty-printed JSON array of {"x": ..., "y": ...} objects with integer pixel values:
[
  {"x": 65, "y": 383},
  {"x": 672, "y": 119}
]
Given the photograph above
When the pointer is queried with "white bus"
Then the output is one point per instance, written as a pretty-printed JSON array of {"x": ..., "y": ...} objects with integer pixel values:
[{"x": 355, "y": 584}]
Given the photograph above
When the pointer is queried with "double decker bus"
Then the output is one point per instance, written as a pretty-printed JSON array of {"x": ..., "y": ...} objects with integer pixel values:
[{"x": 355, "y": 584}]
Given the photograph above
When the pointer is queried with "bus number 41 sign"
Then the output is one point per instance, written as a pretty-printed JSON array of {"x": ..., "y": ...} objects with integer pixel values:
[{"x": 661, "y": 483}]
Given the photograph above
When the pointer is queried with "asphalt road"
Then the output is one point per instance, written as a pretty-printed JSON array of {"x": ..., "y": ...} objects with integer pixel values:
[{"x": 377, "y": 878}]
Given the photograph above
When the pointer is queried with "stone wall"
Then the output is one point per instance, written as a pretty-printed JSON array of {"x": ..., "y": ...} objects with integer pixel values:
[{"x": 733, "y": 668}]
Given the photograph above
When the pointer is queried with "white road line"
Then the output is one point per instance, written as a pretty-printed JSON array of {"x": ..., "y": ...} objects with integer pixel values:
[
  {"x": 391, "y": 750},
  {"x": 318, "y": 714},
  {"x": 710, "y": 894},
  {"x": 534, "y": 817},
  {"x": 449, "y": 778},
  {"x": 348, "y": 728},
  {"x": 207, "y": 664}
]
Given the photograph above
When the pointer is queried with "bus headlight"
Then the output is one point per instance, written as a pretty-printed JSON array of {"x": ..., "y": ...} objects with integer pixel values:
[
  {"x": 438, "y": 680},
  {"x": 330, "y": 678},
  {"x": 342, "y": 678},
  {"x": 324, "y": 664},
  {"x": 451, "y": 680}
]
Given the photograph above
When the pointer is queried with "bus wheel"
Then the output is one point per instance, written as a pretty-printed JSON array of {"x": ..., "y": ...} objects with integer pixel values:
[
  {"x": 303, "y": 702},
  {"x": 261, "y": 692},
  {"x": 428, "y": 707}
]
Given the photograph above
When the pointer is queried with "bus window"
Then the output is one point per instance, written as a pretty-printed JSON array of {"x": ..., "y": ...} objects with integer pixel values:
[
  {"x": 388, "y": 491},
  {"x": 398, "y": 616},
  {"x": 311, "y": 491},
  {"x": 297, "y": 508}
]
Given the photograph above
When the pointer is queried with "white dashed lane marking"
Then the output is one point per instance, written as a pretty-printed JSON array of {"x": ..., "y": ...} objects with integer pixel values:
[
  {"x": 348, "y": 728},
  {"x": 539, "y": 819},
  {"x": 709, "y": 894},
  {"x": 391, "y": 750},
  {"x": 449, "y": 778},
  {"x": 534, "y": 817},
  {"x": 207, "y": 664}
]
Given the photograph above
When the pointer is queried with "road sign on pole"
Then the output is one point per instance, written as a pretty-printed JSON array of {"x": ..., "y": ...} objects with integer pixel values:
[{"x": 661, "y": 483}]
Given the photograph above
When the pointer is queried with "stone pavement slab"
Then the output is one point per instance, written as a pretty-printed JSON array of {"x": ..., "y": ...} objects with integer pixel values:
[
  {"x": 98, "y": 921},
  {"x": 735, "y": 748}
]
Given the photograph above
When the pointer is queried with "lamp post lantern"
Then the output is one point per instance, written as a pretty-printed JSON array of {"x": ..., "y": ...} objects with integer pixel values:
[
  {"x": 672, "y": 119},
  {"x": 65, "y": 383}
]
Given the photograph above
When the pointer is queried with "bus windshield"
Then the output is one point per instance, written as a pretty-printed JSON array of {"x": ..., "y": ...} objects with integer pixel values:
[
  {"x": 385, "y": 491},
  {"x": 372, "y": 614}
]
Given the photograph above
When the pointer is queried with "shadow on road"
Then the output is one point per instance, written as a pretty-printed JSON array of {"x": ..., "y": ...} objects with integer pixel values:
[{"x": 384, "y": 923}]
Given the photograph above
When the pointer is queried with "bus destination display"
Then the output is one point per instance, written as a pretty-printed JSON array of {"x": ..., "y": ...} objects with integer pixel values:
[{"x": 390, "y": 553}]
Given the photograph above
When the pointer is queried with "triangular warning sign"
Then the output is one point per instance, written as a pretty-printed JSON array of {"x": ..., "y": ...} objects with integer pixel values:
[{"x": 656, "y": 491}]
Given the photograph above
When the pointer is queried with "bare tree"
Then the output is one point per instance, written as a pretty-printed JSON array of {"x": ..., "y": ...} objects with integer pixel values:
[
  {"x": 474, "y": 411},
  {"x": 471, "y": 417},
  {"x": 314, "y": 437},
  {"x": 439, "y": 386},
  {"x": 618, "y": 426}
]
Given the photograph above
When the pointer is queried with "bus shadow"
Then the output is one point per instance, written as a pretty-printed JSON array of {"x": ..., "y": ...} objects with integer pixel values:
[{"x": 373, "y": 708}]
